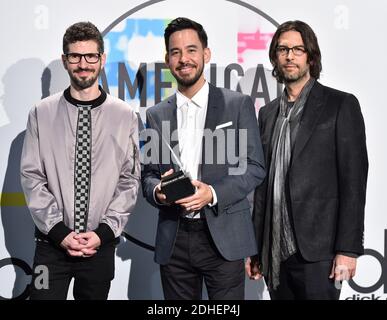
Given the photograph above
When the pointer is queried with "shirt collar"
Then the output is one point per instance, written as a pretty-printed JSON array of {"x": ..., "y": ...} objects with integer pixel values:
[
  {"x": 93, "y": 103},
  {"x": 200, "y": 99}
]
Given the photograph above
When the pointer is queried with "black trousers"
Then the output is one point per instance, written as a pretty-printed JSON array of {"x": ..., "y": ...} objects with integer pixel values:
[
  {"x": 302, "y": 280},
  {"x": 92, "y": 276},
  {"x": 194, "y": 259}
]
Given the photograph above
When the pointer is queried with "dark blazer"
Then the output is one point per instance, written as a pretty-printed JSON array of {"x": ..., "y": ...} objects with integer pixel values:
[
  {"x": 229, "y": 222},
  {"x": 327, "y": 177}
]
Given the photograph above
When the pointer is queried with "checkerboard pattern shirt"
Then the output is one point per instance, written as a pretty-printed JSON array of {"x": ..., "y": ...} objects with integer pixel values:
[{"x": 82, "y": 168}]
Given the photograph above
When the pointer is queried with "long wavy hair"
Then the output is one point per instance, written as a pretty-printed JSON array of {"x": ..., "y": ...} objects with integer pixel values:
[{"x": 310, "y": 43}]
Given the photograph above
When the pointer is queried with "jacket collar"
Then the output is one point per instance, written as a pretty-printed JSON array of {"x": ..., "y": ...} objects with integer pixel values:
[{"x": 93, "y": 103}]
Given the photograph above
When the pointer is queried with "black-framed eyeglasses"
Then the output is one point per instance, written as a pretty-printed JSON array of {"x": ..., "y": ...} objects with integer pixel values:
[
  {"x": 91, "y": 58},
  {"x": 284, "y": 50}
]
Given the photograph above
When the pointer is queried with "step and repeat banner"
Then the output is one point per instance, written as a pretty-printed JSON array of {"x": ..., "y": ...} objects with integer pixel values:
[{"x": 350, "y": 35}]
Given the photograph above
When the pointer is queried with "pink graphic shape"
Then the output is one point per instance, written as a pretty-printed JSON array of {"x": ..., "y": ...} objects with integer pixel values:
[{"x": 252, "y": 41}]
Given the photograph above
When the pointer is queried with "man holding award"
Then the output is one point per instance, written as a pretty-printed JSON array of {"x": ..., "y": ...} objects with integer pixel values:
[{"x": 214, "y": 161}]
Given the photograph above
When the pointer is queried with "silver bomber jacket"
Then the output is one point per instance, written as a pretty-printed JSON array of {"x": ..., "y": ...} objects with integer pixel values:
[{"x": 48, "y": 160}]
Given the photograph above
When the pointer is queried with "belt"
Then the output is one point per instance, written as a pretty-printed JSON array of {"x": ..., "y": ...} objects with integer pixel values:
[{"x": 192, "y": 225}]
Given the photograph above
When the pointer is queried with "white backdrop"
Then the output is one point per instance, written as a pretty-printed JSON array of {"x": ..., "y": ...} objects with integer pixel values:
[{"x": 351, "y": 37}]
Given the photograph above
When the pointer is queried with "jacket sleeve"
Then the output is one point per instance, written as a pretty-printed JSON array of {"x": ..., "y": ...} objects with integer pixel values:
[
  {"x": 259, "y": 208},
  {"x": 234, "y": 187},
  {"x": 125, "y": 194},
  {"x": 352, "y": 163},
  {"x": 45, "y": 212},
  {"x": 151, "y": 174}
]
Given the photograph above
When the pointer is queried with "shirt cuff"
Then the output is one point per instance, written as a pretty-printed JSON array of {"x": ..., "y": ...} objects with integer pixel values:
[
  {"x": 214, "y": 198},
  {"x": 59, "y": 232},
  {"x": 105, "y": 233}
]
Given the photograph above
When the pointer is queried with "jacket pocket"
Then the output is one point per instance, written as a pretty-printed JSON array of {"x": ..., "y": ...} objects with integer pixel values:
[
  {"x": 326, "y": 125},
  {"x": 242, "y": 205}
]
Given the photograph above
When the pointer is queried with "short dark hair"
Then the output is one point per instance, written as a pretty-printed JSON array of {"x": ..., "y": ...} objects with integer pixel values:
[
  {"x": 82, "y": 31},
  {"x": 179, "y": 24},
  {"x": 310, "y": 43}
]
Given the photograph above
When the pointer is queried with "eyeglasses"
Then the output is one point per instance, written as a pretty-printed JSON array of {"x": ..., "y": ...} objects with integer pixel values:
[
  {"x": 284, "y": 50},
  {"x": 76, "y": 57}
]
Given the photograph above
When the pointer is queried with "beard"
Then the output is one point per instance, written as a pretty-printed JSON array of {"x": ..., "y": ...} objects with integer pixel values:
[
  {"x": 186, "y": 81},
  {"x": 293, "y": 77},
  {"x": 84, "y": 83}
]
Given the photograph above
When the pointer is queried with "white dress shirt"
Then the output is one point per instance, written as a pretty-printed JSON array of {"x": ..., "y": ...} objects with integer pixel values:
[{"x": 191, "y": 117}]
